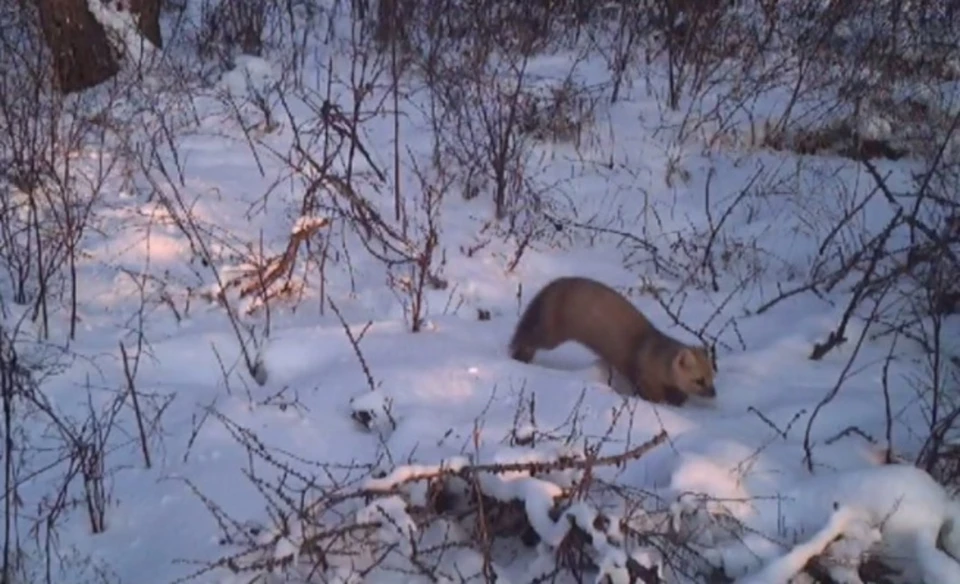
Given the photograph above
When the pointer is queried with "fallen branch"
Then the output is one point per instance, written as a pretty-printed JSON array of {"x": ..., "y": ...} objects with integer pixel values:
[{"x": 467, "y": 472}]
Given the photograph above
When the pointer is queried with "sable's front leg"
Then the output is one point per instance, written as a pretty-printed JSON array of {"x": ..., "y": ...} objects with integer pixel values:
[
  {"x": 674, "y": 396},
  {"x": 523, "y": 353}
]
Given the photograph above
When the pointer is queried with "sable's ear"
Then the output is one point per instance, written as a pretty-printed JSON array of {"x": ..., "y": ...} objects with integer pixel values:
[{"x": 684, "y": 358}]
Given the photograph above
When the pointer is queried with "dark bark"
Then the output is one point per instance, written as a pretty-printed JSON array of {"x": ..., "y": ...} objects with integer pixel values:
[
  {"x": 149, "y": 11},
  {"x": 82, "y": 55}
]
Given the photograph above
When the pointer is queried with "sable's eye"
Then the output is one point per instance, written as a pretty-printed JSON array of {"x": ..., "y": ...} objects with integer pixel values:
[{"x": 701, "y": 382}]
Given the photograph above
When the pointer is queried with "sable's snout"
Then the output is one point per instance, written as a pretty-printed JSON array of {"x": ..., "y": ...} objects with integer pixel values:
[{"x": 709, "y": 391}]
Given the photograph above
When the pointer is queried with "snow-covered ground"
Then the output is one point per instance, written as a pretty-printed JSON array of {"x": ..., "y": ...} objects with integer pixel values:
[{"x": 451, "y": 390}]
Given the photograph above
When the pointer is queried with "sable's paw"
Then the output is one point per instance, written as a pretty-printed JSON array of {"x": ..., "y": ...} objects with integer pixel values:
[{"x": 522, "y": 353}]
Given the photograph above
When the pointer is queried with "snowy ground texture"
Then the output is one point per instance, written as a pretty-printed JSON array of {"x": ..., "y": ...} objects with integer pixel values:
[{"x": 235, "y": 464}]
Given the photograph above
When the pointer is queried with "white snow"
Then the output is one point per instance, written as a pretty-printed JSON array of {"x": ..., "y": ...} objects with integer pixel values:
[
  {"x": 449, "y": 397},
  {"x": 898, "y": 505}
]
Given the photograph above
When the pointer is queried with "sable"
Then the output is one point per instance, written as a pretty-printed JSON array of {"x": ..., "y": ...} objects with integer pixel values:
[{"x": 660, "y": 368}]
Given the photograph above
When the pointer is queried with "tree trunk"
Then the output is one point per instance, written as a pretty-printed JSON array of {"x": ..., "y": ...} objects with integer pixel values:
[
  {"x": 149, "y": 24},
  {"x": 82, "y": 55}
]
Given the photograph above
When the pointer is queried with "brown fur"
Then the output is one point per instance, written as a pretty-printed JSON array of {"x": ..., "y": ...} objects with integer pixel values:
[{"x": 659, "y": 367}]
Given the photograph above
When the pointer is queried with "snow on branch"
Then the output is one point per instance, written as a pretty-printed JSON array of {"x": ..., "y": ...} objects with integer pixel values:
[
  {"x": 418, "y": 517},
  {"x": 846, "y": 522}
]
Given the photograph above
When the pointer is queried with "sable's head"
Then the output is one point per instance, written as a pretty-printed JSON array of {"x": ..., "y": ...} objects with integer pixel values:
[{"x": 693, "y": 372}]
